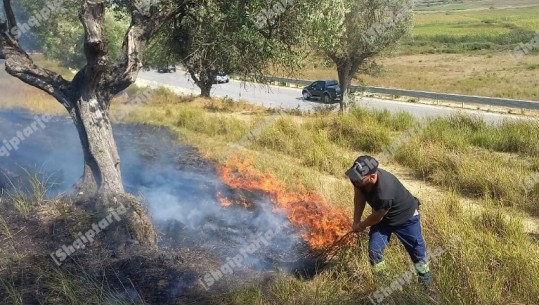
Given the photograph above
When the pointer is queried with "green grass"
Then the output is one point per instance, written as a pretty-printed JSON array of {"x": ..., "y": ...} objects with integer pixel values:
[
  {"x": 25, "y": 197},
  {"x": 455, "y": 5},
  {"x": 477, "y": 159},
  {"x": 461, "y": 131},
  {"x": 198, "y": 120},
  {"x": 321, "y": 141},
  {"x": 467, "y": 31},
  {"x": 525, "y": 18},
  {"x": 80, "y": 287},
  {"x": 513, "y": 137},
  {"x": 459, "y": 152},
  {"x": 13, "y": 294}
]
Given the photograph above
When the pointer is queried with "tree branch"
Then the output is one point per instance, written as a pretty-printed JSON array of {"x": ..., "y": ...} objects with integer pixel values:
[
  {"x": 92, "y": 17},
  {"x": 11, "y": 20},
  {"x": 358, "y": 61},
  {"x": 21, "y": 66},
  {"x": 193, "y": 76},
  {"x": 144, "y": 23}
]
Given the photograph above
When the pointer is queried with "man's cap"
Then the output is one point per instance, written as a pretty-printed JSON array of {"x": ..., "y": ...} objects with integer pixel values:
[{"x": 363, "y": 166}]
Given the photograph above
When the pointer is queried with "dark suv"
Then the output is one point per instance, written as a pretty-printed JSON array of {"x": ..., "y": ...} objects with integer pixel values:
[
  {"x": 324, "y": 90},
  {"x": 167, "y": 69}
]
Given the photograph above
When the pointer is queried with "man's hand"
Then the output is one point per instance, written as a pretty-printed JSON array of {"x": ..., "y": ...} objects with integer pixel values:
[
  {"x": 374, "y": 218},
  {"x": 358, "y": 227}
]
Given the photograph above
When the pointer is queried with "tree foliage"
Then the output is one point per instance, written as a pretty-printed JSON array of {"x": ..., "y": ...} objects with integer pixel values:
[
  {"x": 239, "y": 37},
  {"x": 355, "y": 31},
  {"x": 61, "y": 36}
]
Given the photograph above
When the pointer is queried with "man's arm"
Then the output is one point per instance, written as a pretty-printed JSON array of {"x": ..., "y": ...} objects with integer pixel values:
[
  {"x": 359, "y": 207},
  {"x": 373, "y": 219}
]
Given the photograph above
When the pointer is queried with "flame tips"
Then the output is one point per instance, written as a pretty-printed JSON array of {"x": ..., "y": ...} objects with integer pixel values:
[{"x": 322, "y": 223}]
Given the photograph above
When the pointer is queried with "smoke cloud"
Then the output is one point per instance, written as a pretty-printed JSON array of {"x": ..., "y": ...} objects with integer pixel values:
[{"x": 179, "y": 187}]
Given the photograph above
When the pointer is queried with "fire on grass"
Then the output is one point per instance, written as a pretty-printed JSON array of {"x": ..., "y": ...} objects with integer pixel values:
[
  {"x": 223, "y": 201},
  {"x": 321, "y": 223}
]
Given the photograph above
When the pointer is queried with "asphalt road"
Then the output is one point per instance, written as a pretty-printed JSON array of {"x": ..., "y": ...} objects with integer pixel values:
[{"x": 290, "y": 98}]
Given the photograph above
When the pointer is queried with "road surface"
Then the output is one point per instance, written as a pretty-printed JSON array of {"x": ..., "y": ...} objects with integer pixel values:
[{"x": 290, "y": 98}]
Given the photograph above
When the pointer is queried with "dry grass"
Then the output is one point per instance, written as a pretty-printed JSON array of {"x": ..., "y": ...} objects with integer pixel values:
[
  {"x": 495, "y": 75},
  {"x": 459, "y": 273},
  {"x": 476, "y": 159},
  {"x": 16, "y": 94},
  {"x": 489, "y": 240}
]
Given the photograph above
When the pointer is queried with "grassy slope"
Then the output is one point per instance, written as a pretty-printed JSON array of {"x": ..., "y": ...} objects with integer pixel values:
[{"x": 315, "y": 150}]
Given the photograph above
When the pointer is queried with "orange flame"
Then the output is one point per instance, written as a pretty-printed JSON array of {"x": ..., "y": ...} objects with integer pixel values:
[
  {"x": 322, "y": 223},
  {"x": 223, "y": 201}
]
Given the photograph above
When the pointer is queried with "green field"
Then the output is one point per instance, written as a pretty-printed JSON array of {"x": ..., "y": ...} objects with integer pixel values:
[
  {"x": 525, "y": 18},
  {"x": 456, "y": 5},
  {"x": 471, "y": 30}
]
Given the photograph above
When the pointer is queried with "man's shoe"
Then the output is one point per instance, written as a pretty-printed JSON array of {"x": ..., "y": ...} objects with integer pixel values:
[{"x": 424, "y": 278}]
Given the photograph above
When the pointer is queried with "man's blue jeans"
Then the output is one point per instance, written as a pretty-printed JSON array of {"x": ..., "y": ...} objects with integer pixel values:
[{"x": 410, "y": 236}]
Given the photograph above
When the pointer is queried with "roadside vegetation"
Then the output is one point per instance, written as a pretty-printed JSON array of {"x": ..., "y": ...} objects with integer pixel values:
[
  {"x": 467, "y": 158},
  {"x": 476, "y": 159}
]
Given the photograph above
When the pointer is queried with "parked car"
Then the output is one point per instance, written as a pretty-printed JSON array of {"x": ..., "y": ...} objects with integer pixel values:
[
  {"x": 222, "y": 78},
  {"x": 324, "y": 90},
  {"x": 167, "y": 69}
]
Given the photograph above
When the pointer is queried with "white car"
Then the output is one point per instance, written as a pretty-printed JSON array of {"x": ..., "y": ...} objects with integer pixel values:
[{"x": 223, "y": 78}]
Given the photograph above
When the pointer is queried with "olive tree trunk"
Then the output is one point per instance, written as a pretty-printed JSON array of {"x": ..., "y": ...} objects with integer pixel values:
[
  {"x": 346, "y": 70},
  {"x": 101, "y": 160},
  {"x": 345, "y": 79},
  {"x": 88, "y": 96},
  {"x": 203, "y": 80}
]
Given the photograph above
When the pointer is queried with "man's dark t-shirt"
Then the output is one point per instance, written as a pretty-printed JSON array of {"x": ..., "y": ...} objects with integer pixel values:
[{"x": 389, "y": 194}]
